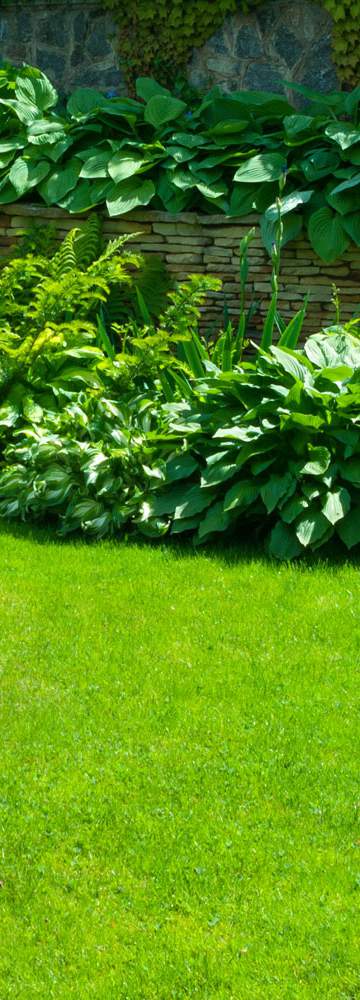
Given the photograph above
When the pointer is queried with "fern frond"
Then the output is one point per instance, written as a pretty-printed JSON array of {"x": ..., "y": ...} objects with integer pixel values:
[
  {"x": 65, "y": 259},
  {"x": 88, "y": 243}
]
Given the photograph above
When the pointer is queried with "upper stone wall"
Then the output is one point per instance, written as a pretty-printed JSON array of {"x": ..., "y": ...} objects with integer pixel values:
[
  {"x": 75, "y": 43},
  {"x": 282, "y": 41}
]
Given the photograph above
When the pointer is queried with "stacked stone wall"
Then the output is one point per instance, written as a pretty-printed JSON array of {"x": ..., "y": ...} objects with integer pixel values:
[{"x": 209, "y": 244}]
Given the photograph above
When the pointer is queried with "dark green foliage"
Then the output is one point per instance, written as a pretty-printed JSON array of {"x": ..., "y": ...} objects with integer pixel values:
[{"x": 224, "y": 153}]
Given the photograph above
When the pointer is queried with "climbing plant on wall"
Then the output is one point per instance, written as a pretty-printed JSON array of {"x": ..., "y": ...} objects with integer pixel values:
[
  {"x": 346, "y": 38},
  {"x": 158, "y": 38}
]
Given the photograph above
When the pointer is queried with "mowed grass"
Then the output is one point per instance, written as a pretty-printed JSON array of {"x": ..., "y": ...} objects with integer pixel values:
[{"x": 179, "y": 771}]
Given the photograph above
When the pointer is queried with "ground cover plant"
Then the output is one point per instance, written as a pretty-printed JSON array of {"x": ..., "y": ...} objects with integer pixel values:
[
  {"x": 221, "y": 153},
  {"x": 179, "y": 794},
  {"x": 142, "y": 427}
]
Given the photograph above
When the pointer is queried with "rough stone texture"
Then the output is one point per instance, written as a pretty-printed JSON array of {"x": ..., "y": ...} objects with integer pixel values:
[
  {"x": 210, "y": 244},
  {"x": 281, "y": 41},
  {"x": 72, "y": 41}
]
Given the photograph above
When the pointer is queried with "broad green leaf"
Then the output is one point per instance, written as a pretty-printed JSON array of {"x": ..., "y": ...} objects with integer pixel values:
[
  {"x": 37, "y": 90},
  {"x": 218, "y": 473},
  {"x": 121, "y": 167},
  {"x": 345, "y": 134},
  {"x": 194, "y": 502},
  {"x": 318, "y": 462},
  {"x": 180, "y": 467},
  {"x": 293, "y": 508},
  {"x": 291, "y": 363},
  {"x": 349, "y": 529},
  {"x": 162, "y": 109},
  {"x": 96, "y": 166},
  {"x": 146, "y": 88},
  {"x": 351, "y": 224},
  {"x": 277, "y": 487},
  {"x": 263, "y": 167},
  {"x": 62, "y": 180},
  {"x": 216, "y": 519},
  {"x": 345, "y": 197},
  {"x": 32, "y": 411},
  {"x": 350, "y": 470},
  {"x": 336, "y": 505},
  {"x": 44, "y": 132},
  {"x": 283, "y": 543},
  {"x": 128, "y": 195},
  {"x": 311, "y": 527},
  {"x": 319, "y": 163},
  {"x": 85, "y": 101},
  {"x": 241, "y": 495},
  {"x": 327, "y": 235},
  {"x": 288, "y": 204},
  {"x": 291, "y": 229}
]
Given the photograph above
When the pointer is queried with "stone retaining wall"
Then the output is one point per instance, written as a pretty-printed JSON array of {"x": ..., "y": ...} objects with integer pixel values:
[{"x": 190, "y": 243}]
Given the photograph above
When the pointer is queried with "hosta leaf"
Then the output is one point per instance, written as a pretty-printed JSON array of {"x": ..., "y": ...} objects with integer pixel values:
[
  {"x": 344, "y": 198},
  {"x": 277, "y": 487},
  {"x": 180, "y": 467},
  {"x": 162, "y": 109},
  {"x": 45, "y": 132},
  {"x": 96, "y": 166},
  {"x": 350, "y": 470},
  {"x": 195, "y": 501},
  {"x": 288, "y": 204},
  {"x": 327, "y": 235},
  {"x": 241, "y": 495},
  {"x": 336, "y": 505},
  {"x": 293, "y": 508},
  {"x": 146, "y": 88},
  {"x": 215, "y": 520},
  {"x": 343, "y": 133},
  {"x": 318, "y": 462},
  {"x": 349, "y": 528},
  {"x": 319, "y": 163},
  {"x": 218, "y": 473},
  {"x": 25, "y": 174},
  {"x": 37, "y": 90},
  {"x": 8, "y": 415},
  {"x": 311, "y": 527},
  {"x": 186, "y": 524},
  {"x": 263, "y": 167},
  {"x": 62, "y": 180},
  {"x": 121, "y": 167},
  {"x": 283, "y": 543},
  {"x": 32, "y": 411},
  {"x": 85, "y": 101},
  {"x": 291, "y": 229},
  {"x": 351, "y": 224},
  {"x": 128, "y": 195}
]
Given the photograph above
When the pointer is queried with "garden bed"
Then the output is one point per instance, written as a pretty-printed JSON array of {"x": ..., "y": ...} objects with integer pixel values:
[{"x": 190, "y": 242}]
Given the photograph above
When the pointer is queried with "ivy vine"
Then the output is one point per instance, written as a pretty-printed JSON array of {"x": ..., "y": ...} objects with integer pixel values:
[{"x": 157, "y": 38}]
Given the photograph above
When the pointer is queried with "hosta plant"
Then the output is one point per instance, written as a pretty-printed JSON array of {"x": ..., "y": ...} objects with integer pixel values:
[
  {"x": 221, "y": 153},
  {"x": 274, "y": 445}
]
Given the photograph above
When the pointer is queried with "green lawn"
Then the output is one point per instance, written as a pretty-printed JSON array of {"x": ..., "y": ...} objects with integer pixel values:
[{"x": 178, "y": 774}]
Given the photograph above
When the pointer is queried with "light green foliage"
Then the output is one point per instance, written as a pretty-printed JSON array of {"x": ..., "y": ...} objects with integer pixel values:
[
  {"x": 227, "y": 153},
  {"x": 179, "y": 783}
]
